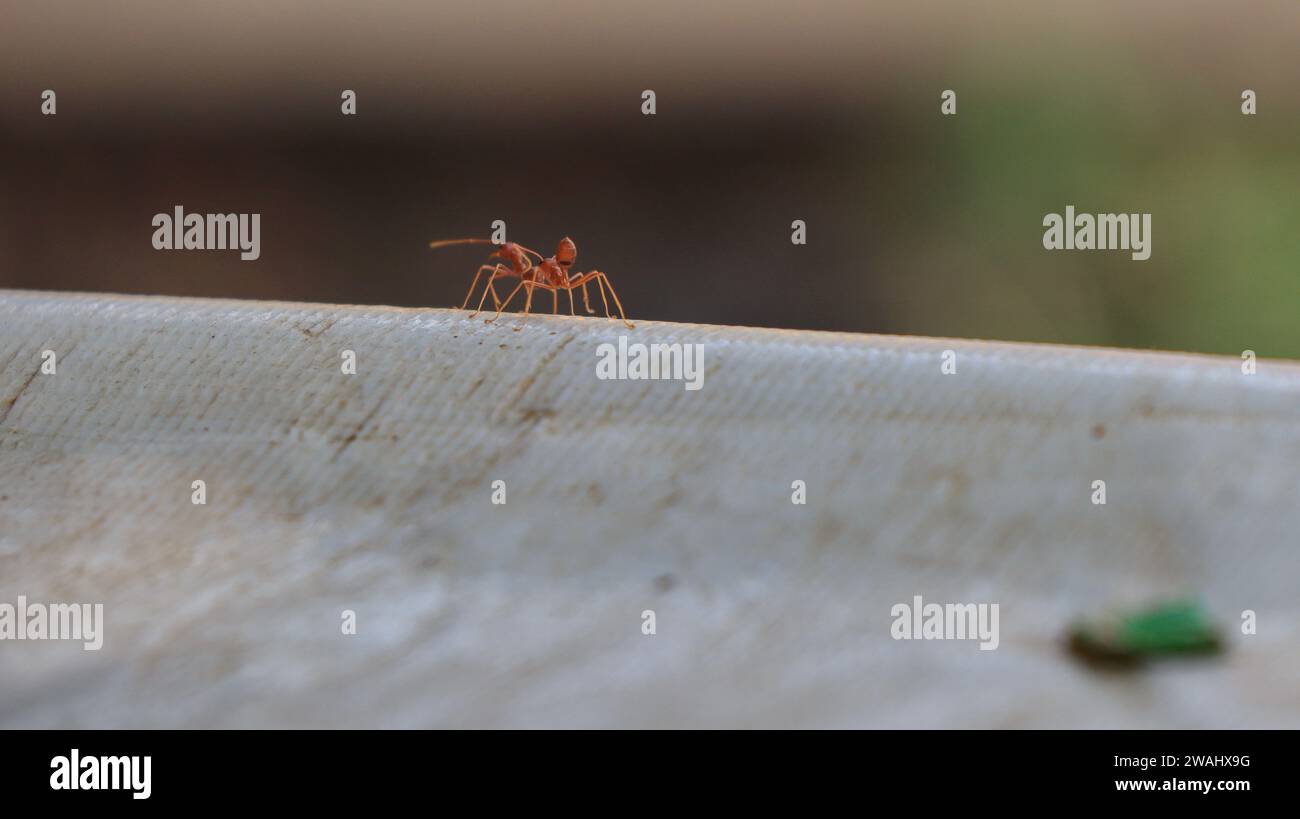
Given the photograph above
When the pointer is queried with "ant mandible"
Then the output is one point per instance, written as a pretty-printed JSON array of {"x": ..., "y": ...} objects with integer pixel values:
[{"x": 550, "y": 273}]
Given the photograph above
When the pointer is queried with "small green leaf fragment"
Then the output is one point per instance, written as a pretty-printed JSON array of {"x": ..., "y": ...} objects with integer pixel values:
[{"x": 1177, "y": 628}]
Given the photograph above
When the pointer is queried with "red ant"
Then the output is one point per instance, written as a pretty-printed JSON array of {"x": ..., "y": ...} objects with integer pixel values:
[{"x": 547, "y": 274}]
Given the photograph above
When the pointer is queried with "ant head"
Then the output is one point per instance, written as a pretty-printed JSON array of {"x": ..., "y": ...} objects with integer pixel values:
[
  {"x": 567, "y": 252},
  {"x": 511, "y": 252}
]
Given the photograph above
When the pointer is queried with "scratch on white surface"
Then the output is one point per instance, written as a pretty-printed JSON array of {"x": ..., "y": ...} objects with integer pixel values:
[{"x": 371, "y": 492}]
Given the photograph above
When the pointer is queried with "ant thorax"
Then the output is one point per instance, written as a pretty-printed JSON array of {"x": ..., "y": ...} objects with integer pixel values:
[{"x": 551, "y": 272}]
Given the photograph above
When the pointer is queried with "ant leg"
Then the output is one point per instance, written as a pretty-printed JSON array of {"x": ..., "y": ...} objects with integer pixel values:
[
  {"x": 506, "y": 303},
  {"x": 575, "y": 280},
  {"x": 498, "y": 272},
  {"x": 491, "y": 286},
  {"x": 503, "y": 273},
  {"x": 569, "y": 290},
  {"x": 602, "y": 281},
  {"x": 600, "y": 287},
  {"x": 580, "y": 280},
  {"x": 610, "y": 285},
  {"x": 555, "y": 302},
  {"x": 477, "y": 274},
  {"x": 522, "y": 274},
  {"x": 528, "y": 302}
]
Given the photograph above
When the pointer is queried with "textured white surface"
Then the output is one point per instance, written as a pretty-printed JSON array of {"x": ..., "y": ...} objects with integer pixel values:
[{"x": 372, "y": 492}]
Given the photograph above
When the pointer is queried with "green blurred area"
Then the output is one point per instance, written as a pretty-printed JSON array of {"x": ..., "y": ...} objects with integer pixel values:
[{"x": 1032, "y": 138}]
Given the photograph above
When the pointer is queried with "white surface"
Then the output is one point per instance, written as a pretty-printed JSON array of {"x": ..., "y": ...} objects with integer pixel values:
[{"x": 372, "y": 492}]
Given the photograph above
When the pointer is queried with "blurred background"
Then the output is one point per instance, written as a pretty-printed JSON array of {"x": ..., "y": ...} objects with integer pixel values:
[{"x": 530, "y": 112}]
